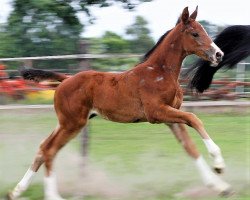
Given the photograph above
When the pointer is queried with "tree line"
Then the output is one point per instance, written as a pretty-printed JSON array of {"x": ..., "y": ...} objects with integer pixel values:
[{"x": 51, "y": 27}]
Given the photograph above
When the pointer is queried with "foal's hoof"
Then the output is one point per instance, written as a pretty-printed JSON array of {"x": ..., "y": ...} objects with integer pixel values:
[
  {"x": 218, "y": 170},
  {"x": 227, "y": 193}
]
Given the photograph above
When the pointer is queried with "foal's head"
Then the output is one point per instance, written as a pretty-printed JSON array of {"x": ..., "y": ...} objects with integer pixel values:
[{"x": 195, "y": 39}]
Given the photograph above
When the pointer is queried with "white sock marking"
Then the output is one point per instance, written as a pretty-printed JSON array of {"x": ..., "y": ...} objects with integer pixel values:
[
  {"x": 50, "y": 188},
  {"x": 211, "y": 146},
  {"x": 23, "y": 184},
  {"x": 205, "y": 171},
  {"x": 215, "y": 152},
  {"x": 209, "y": 178}
]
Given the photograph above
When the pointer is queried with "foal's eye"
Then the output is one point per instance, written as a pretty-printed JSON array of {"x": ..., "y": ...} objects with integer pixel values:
[{"x": 195, "y": 34}]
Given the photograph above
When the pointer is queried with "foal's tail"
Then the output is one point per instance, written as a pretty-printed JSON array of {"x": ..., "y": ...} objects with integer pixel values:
[{"x": 40, "y": 75}]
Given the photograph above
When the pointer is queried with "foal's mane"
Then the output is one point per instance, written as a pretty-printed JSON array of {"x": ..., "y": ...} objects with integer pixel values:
[
  {"x": 234, "y": 41},
  {"x": 146, "y": 56}
]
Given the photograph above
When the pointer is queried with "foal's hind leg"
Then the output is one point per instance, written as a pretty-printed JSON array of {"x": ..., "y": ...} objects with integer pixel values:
[
  {"x": 50, "y": 149},
  {"x": 27, "y": 178},
  {"x": 46, "y": 154}
]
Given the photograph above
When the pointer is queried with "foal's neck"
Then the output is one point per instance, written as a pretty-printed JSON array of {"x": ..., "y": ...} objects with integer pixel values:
[{"x": 169, "y": 54}]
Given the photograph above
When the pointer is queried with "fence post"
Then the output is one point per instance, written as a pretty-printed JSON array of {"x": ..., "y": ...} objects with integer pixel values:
[
  {"x": 83, "y": 49},
  {"x": 240, "y": 76},
  {"x": 28, "y": 63},
  {"x": 85, "y": 144},
  {"x": 84, "y": 65}
]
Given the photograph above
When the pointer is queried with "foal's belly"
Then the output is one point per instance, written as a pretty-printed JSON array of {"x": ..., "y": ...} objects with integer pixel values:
[
  {"x": 119, "y": 108},
  {"x": 119, "y": 116},
  {"x": 130, "y": 113}
]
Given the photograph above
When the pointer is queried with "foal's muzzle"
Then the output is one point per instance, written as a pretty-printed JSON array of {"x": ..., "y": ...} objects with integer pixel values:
[
  {"x": 215, "y": 55},
  {"x": 219, "y": 56}
]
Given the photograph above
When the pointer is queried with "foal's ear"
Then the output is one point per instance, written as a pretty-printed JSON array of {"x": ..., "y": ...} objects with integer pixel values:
[
  {"x": 194, "y": 14},
  {"x": 185, "y": 15}
]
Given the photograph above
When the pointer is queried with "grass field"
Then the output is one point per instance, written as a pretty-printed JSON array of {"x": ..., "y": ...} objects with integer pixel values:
[{"x": 126, "y": 161}]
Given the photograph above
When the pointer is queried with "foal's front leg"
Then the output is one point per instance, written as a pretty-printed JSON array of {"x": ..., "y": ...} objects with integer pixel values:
[
  {"x": 213, "y": 149},
  {"x": 167, "y": 115},
  {"x": 177, "y": 116},
  {"x": 209, "y": 178},
  {"x": 215, "y": 152},
  {"x": 180, "y": 131}
]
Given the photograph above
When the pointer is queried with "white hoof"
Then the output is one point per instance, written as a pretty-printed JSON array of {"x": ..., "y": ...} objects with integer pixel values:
[
  {"x": 219, "y": 166},
  {"x": 219, "y": 162},
  {"x": 209, "y": 178}
]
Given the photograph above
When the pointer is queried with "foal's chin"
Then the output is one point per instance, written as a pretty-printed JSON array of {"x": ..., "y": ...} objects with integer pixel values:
[
  {"x": 214, "y": 63},
  {"x": 210, "y": 58}
]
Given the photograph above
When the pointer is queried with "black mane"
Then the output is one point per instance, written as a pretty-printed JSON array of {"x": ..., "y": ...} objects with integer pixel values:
[
  {"x": 146, "y": 56},
  {"x": 234, "y": 41}
]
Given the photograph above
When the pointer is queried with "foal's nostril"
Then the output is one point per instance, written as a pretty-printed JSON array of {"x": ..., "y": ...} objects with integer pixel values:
[{"x": 219, "y": 56}]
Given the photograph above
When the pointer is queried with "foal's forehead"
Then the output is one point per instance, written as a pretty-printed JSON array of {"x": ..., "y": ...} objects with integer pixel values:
[{"x": 196, "y": 25}]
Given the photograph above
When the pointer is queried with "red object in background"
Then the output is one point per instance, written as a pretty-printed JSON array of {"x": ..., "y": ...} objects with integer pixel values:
[
  {"x": 16, "y": 88},
  {"x": 3, "y": 74},
  {"x": 10, "y": 87}
]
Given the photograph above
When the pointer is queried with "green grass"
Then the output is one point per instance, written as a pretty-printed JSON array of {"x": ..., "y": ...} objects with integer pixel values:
[{"x": 137, "y": 161}]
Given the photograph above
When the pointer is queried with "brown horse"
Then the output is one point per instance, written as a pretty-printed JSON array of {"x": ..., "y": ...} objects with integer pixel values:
[{"x": 149, "y": 92}]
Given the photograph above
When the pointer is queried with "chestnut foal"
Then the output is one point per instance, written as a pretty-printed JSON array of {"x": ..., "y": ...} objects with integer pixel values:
[{"x": 149, "y": 92}]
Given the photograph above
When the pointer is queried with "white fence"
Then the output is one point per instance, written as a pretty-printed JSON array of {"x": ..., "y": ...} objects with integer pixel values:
[
  {"x": 240, "y": 73},
  {"x": 75, "y": 56}
]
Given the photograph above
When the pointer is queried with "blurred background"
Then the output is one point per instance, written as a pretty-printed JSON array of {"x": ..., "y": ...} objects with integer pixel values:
[{"x": 124, "y": 161}]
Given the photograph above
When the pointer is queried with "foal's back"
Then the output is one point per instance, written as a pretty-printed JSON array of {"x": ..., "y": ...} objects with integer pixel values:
[{"x": 115, "y": 96}]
